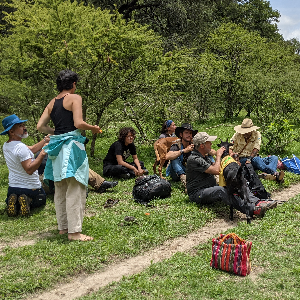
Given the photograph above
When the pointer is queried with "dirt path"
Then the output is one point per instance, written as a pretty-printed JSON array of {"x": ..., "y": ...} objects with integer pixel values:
[{"x": 86, "y": 284}]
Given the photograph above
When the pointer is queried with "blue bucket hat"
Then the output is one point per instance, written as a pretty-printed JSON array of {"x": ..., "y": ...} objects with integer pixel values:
[{"x": 9, "y": 122}]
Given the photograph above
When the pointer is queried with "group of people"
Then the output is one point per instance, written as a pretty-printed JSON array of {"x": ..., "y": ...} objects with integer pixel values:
[{"x": 62, "y": 159}]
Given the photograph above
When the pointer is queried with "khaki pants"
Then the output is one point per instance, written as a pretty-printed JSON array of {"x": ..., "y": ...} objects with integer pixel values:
[
  {"x": 69, "y": 199},
  {"x": 95, "y": 180}
]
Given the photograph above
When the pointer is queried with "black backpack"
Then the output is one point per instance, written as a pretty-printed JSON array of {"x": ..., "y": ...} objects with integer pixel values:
[
  {"x": 254, "y": 183},
  {"x": 149, "y": 187}
]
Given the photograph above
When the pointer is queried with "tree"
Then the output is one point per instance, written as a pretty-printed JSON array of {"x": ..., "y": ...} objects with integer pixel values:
[{"x": 114, "y": 58}]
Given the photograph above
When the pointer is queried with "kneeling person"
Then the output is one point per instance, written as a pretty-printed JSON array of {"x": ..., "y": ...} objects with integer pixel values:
[{"x": 25, "y": 190}]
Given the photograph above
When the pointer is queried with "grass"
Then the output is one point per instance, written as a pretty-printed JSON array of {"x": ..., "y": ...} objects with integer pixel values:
[
  {"x": 44, "y": 258},
  {"x": 275, "y": 267}
]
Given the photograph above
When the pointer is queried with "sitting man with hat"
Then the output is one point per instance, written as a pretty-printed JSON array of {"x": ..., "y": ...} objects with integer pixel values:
[
  {"x": 246, "y": 142},
  {"x": 179, "y": 152},
  {"x": 201, "y": 184},
  {"x": 24, "y": 190}
]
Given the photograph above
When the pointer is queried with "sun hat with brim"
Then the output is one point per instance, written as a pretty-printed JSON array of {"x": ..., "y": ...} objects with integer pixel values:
[
  {"x": 247, "y": 126},
  {"x": 183, "y": 127},
  {"x": 203, "y": 137},
  {"x": 9, "y": 122}
]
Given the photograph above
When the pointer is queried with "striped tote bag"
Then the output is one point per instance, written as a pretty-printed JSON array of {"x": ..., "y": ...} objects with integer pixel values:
[{"x": 232, "y": 254}]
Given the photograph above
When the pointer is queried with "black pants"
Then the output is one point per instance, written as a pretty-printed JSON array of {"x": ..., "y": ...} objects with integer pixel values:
[
  {"x": 38, "y": 196},
  {"x": 117, "y": 170},
  {"x": 218, "y": 193}
]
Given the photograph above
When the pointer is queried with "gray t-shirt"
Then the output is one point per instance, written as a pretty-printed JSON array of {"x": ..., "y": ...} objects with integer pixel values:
[{"x": 196, "y": 178}]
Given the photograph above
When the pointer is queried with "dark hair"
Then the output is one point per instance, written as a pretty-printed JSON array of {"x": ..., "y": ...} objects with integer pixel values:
[
  {"x": 65, "y": 80},
  {"x": 124, "y": 132},
  {"x": 165, "y": 126}
]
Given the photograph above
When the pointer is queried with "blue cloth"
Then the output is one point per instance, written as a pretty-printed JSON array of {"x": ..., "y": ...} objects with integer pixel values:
[
  {"x": 175, "y": 167},
  {"x": 67, "y": 158},
  {"x": 267, "y": 164},
  {"x": 168, "y": 123}
]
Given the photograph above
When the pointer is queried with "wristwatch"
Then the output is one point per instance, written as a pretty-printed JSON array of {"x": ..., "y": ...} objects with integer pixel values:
[{"x": 181, "y": 151}]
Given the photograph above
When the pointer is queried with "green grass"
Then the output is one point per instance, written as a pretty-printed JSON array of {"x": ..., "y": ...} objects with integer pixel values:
[
  {"x": 45, "y": 258},
  {"x": 275, "y": 267}
]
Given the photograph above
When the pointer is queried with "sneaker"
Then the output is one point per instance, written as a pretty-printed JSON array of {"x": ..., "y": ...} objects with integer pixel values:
[
  {"x": 125, "y": 176},
  {"x": 12, "y": 205},
  {"x": 268, "y": 203},
  {"x": 24, "y": 205},
  {"x": 106, "y": 185},
  {"x": 259, "y": 209}
]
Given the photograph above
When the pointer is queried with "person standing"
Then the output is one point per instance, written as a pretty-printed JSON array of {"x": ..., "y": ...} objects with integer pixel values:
[{"x": 68, "y": 164}]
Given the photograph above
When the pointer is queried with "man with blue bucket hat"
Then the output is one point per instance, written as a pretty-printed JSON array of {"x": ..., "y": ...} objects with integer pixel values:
[{"x": 24, "y": 190}]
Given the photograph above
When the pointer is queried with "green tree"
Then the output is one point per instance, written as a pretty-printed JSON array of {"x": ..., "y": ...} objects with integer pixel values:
[{"x": 115, "y": 59}]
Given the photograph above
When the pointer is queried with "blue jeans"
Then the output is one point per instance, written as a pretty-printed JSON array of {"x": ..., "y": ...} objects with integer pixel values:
[
  {"x": 38, "y": 196},
  {"x": 175, "y": 169},
  {"x": 267, "y": 164}
]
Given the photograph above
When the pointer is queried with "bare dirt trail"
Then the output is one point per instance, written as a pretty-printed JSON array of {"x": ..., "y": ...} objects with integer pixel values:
[{"x": 86, "y": 284}]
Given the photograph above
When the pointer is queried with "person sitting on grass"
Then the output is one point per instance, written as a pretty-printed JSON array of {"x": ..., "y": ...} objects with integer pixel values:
[
  {"x": 115, "y": 164},
  {"x": 168, "y": 129},
  {"x": 24, "y": 187},
  {"x": 246, "y": 143}
]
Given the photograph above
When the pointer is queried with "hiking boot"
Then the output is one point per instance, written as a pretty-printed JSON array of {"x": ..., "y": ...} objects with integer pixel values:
[
  {"x": 125, "y": 176},
  {"x": 259, "y": 209},
  {"x": 24, "y": 205},
  {"x": 279, "y": 176},
  {"x": 106, "y": 185},
  {"x": 267, "y": 176},
  {"x": 12, "y": 205}
]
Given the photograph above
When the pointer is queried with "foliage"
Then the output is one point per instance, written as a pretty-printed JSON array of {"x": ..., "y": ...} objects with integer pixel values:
[{"x": 116, "y": 60}]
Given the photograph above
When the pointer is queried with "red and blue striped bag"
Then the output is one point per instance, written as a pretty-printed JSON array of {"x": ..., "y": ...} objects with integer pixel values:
[{"x": 232, "y": 254}]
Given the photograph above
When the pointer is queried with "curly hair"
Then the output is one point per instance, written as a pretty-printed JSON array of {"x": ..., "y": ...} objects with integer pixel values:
[
  {"x": 124, "y": 132},
  {"x": 65, "y": 80}
]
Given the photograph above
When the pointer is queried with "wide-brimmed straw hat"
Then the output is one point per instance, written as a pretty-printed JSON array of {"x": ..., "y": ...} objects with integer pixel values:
[
  {"x": 9, "y": 122},
  {"x": 183, "y": 127},
  {"x": 247, "y": 126}
]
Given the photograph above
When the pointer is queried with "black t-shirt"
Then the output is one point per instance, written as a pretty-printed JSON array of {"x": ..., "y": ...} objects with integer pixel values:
[
  {"x": 118, "y": 148},
  {"x": 196, "y": 178},
  {"x": 175, "y": 147}
]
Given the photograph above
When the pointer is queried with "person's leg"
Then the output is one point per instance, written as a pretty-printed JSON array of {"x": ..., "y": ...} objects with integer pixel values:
[
  {"x": 95, "y": 180},
  {"x": 267, "y": 165},
  {"x": 60, "y": 205},
  {"x": 116, "y": 171},
  {"x": 175, "y": 169},
  {"x": 243, "y": 160},
  {"x": 211, "y": 195},
  {"x": 75, "y": 204}
]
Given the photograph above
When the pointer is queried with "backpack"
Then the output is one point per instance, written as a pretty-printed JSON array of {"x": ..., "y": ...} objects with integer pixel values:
[
  {"x": 254, "y": 183},
  {"x": 149, "y": 187}
]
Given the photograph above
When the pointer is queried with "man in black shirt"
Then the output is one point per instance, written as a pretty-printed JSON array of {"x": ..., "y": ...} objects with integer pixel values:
[
  {"x": 115, "y": 165},
  {"x": 201, "y": 184}
]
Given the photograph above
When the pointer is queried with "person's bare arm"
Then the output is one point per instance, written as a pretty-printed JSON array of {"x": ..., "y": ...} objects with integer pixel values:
[
  {"x": 77, "y": 116},
  {"x": 137, "y": 163},
  {"x": 42, "y": 124},
  {"x": 38, "y": 146},
  {"x": 30, "y": 166},
  {"x": 215, "y": 168},
  {"x": 171, "y": 155}
]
